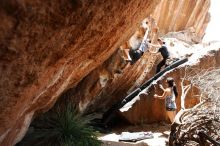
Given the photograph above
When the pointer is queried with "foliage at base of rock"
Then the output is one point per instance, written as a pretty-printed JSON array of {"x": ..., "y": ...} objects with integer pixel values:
[{"x": 61, "y": 127}]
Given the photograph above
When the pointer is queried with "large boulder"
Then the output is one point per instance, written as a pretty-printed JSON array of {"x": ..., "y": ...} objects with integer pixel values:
[{"x": 54, "y": 47}]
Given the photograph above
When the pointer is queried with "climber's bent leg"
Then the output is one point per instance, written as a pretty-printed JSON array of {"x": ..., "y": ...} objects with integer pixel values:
[{"x": 162, "y": 63}]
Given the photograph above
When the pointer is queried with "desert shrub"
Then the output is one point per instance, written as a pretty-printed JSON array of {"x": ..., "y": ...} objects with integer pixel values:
[{"x": 61, "y": 127}]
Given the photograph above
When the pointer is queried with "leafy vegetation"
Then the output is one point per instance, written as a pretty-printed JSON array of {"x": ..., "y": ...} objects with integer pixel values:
[{"x": 61, "y": 127}]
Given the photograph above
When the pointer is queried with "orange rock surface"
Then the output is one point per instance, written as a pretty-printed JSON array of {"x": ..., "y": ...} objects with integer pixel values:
[
  {"x": 172, "y": 15},
  {"x": 50, "y": 46},
  {"x": 54, "y": 48}
]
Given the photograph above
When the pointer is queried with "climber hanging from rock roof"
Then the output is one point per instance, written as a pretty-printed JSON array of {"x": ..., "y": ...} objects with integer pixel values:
[{"x": 137, "y": 45}]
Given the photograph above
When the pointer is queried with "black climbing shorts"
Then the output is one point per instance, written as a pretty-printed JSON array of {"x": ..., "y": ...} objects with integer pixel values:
[{"x": 135, "y": 54}]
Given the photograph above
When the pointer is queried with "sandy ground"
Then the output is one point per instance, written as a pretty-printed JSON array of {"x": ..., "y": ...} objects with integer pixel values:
[{"x": 160, "y": 132}]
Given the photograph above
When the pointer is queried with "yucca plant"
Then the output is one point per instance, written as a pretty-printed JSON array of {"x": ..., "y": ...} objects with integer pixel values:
[{"x": 62, "y": 127}]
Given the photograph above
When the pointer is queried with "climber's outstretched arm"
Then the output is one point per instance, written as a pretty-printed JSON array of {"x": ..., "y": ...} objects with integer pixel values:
[
  {"x": 162, "y": 96},
  {"x": 161, "y": 87}
]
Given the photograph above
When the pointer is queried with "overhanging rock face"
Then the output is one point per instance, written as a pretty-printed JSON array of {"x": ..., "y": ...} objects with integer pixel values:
[
  {"x": 188, "y": 20},
  {"x": 48, "y": 47}
]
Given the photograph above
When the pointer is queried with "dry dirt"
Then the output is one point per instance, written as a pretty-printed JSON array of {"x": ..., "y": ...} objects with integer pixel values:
[{"x": 160, "y": 132}]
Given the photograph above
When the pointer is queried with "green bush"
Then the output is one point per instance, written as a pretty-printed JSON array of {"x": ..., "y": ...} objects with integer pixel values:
[{"x": 62, "y": 127}]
